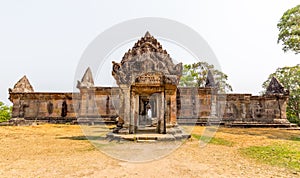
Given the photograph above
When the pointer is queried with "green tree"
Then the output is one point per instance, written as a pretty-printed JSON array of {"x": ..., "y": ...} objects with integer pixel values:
[
  {"x": 5, "y": 112},
  {"x": 289, "y": 30},
  {"x": 195, "y": 75},
  {"x": 289, "y": 77}
]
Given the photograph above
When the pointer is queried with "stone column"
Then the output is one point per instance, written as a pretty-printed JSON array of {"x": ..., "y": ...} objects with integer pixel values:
[
  {"x": 121, "y": 105},
  {"x": 157, "y": 100},
  {"x": 136, "y": 111},
  {"x": 221, "y": 100},
  {"x": 162, "y": 117},
  {"x": 91, "y": 103},
  {"x": 130, "y": 111},
  {"x": 173, "y": 103},
  {"x": 83, "y": 103},
  {"x": 283, "y": 106},
  {"x": 159, "y": 106},
  {"x": 239, "y": 110},
  {"x": 193, "y": 100},
  {"x": 213, "y": 113},
  {"x": 126, "y": 108}
]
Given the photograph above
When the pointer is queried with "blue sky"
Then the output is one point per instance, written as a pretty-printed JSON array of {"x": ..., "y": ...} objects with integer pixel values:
[{"x": 45, "y": 39}]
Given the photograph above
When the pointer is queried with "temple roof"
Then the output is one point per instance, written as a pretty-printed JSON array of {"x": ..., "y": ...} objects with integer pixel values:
[
  {"x": 146, "y": 56},
  {"x": 87, "y": 80},
  {"x": 275, "y": 87},
  {"x": 22, "y": 86},
  {"x": 210, "y": 81},
  {"x": 147, "y": 34},
  {"x": 146, "y": 44}
]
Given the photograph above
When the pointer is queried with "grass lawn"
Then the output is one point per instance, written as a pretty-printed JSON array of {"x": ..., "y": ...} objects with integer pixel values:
[{"x": 285, "y": 154}]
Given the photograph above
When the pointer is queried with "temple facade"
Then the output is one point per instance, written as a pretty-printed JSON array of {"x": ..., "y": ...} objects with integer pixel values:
[{"x": 148, "y": 95}]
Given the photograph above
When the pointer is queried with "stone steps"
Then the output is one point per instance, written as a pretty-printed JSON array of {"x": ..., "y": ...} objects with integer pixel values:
[{"x": 147, "y": 137}]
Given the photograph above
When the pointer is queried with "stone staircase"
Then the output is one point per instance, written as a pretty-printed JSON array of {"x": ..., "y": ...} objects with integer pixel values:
[{"x": 148, "y": 134}]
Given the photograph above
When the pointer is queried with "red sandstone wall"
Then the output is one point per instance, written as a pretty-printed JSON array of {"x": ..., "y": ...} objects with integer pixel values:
[
  {"x": 198, "y": 105},
  {"x": 193, "y": 105},
  {"x": 36, "y": 105}
]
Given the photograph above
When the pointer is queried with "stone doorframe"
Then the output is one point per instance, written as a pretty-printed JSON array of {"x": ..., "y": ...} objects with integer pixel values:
[
  {"x": 148, "y": 84},
  {"x": 135, "y": 93}
]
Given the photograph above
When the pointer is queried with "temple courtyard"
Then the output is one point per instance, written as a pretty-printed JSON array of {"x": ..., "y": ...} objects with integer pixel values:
[{"x": 64, "y": 151}]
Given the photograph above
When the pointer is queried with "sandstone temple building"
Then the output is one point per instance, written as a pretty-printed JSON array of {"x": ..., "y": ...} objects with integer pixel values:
[{"x": 148, "y": 94}]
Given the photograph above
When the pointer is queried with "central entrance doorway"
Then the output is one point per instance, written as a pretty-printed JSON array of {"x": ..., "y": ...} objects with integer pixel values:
[{"x": 148, "y": 110}]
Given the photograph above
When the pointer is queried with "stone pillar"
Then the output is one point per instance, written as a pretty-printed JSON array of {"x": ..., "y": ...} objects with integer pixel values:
[
  {"x": 162, "y": 118},
  {"x": 157, "y": 98},
  {"x": 213, "y": 112},
  {"x": 243, "y": 111},
  {"x": 121, "y": 105},
  {"x": 221, "y": 101},
  {"x": 173, "y": 103},
  {"x": 17, "y": 107},
  {"x": 239, "y": 105},
  {"x": 284, "y": 101},
  {"x": 193, "y": 102},
  {"x": 83, "y": 103},
  {"x": 159, "y": 113},
  {"x": 136, "y": 111},
  {"x": 91, "y": 110},
  {"x": 132, "y": 113},
  {"x": 158, "y": 106},
  {"x": 198, "y": 104},
  {"x": 125, "y": 108}
]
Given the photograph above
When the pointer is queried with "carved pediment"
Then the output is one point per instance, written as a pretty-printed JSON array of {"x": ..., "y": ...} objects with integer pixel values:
[
  {"x": 22, "y": 86},
  {"x": 87, "y": 80},
  {"x": 146, "y": 56},
  {"x": 210, "y": 81},
  {"x": 275, "y": 87}
]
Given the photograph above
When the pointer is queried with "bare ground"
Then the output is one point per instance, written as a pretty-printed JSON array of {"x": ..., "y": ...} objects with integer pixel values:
[{"x": 62, "y": 151}]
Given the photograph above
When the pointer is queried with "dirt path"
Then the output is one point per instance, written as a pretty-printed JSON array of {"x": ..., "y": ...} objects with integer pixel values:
[{"x": 61, "y": 151}]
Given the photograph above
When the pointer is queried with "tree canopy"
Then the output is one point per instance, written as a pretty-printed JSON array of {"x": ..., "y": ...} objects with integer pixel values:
[
  {"x": 289, "y": 77},
  {"x": 5, "y": 112},
  {"x": 289, "y": 30},
  {"x": 195, "y": 75}
]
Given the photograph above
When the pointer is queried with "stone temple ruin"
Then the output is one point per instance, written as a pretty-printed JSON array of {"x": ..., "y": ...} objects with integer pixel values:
[{"x": 148, "y": 95}]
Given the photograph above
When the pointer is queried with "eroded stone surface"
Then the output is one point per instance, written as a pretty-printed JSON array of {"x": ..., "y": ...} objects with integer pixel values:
[
  {"x": 146, "y": 56},
  {"x": 275, "y": 87},
  {"x": 210, "y": 81},
  {"x": 87, "y": 79},
  {"x": 22, "y": 86}
]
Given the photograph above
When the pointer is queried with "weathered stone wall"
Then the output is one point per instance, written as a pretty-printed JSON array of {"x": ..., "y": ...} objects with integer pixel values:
[
  {"x": 49, "y": 107},
  {"x": 194, "y": 104},
  {"x": 263, "y": 109},
  {"x": 98, "y": 102},
  {"x": 204, "y": 104},
  {"x": 199, "y": 105}
]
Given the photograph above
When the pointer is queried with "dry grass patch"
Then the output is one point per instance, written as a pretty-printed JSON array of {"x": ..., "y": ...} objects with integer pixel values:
[{"x": 64, "y": 151}]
